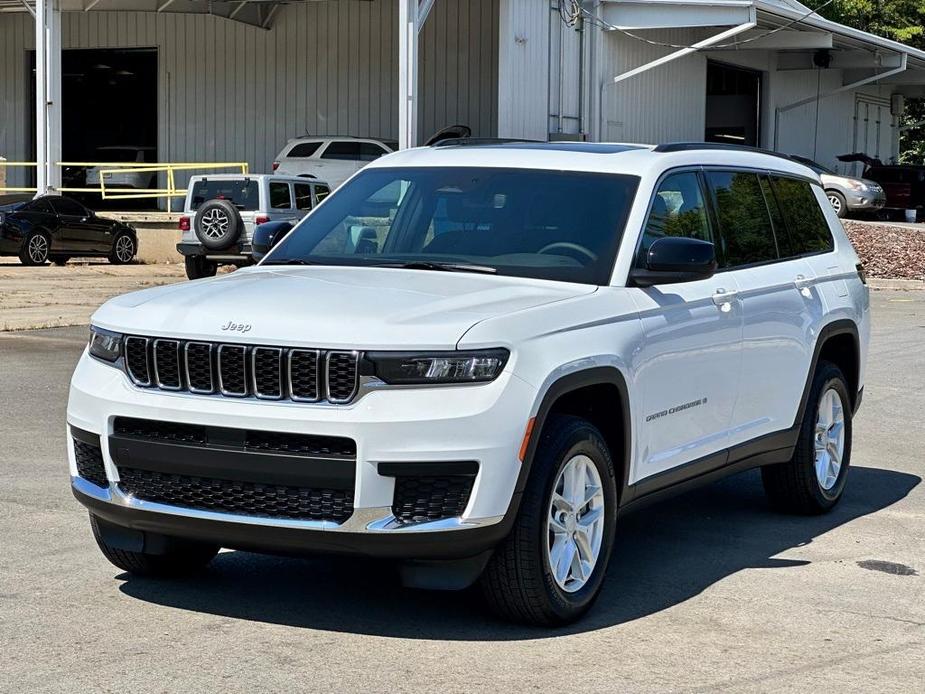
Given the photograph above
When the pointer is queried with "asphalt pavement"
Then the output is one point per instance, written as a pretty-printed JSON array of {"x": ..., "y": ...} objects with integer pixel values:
[{"x": 710, "y": 591}]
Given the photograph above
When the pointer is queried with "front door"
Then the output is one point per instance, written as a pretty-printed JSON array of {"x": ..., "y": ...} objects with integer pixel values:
[{"x": 688, "y": 366}]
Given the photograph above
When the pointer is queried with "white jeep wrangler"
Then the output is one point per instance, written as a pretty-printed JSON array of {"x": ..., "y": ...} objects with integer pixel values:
[{"x": 473, "y": 359}]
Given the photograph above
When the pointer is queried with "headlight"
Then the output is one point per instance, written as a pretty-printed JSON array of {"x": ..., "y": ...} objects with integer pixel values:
[
  {"x": 105, "y": 344},
  {"x": 406, "y": 368},
  {"x": 859, "y": 186}
]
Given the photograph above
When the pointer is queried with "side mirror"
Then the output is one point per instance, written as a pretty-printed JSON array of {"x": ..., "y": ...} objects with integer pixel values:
[
  {"x": 266, "y": 236},
  {"x": 674, "y": 259}
]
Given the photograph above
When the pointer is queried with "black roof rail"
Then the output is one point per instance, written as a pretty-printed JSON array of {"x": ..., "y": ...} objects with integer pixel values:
[
  {"x": 476, "y": 141},
  {"x": 693, "y": 146}
]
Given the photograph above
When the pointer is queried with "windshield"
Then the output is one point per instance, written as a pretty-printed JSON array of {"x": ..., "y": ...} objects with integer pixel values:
[
  {"x": 243, "y": 193},
  {"x": 522, "y": 222}
]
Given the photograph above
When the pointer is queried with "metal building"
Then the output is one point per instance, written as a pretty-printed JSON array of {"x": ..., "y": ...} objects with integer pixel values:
[{"x": 232, "y": 80}]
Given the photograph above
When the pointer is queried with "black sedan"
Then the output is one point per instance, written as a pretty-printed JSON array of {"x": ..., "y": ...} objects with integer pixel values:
[{"x": 56, "y": 228}]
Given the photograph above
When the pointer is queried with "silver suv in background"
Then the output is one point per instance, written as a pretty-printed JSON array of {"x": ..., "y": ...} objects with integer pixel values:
[
  {"x": 847, "y": 194},
  {"x": 221, "y": 212},
  {"x": 332, "y": 159}
]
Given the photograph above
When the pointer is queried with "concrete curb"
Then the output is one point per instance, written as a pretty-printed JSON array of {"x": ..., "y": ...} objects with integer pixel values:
[{"x": 901, "y": 285}]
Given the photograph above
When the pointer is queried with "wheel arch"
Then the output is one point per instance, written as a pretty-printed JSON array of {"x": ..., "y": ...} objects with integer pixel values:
[
  {"x": 839, "y": 343},
  {"x": 595, "y": 394}
]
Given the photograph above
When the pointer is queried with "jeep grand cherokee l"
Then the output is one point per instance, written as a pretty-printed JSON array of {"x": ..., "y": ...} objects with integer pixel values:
[{"x": 473, "y": 359}]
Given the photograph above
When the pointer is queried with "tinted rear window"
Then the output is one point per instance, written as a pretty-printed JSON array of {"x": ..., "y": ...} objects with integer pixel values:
[
  {"x": 342, "y": 150},
  {"x": 747, "y": 235},
  {"x": 809, "y": 231},
  {"x": 243, "y": 194}
]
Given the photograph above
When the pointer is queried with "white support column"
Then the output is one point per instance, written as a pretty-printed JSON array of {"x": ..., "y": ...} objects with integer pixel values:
[
  {"x": 41, "y": 111},
  {"x": 407, "y": 73},
  {"x": 47, "y": 95}
]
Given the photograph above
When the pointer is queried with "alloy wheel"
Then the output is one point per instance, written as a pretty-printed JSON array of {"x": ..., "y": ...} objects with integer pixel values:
[
  {"x": 829, "y": 438},
  {"x": 836, "y": 203},
  {"x": 575, "y": 523},
  {"x": 215, "y": 223},
  {"x": 38, "y": 249},
  {"x": 125, "y": 249}
]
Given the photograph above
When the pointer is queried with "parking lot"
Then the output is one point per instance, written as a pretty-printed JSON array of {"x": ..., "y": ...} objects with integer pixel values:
[{"x": 710, "y": 591}]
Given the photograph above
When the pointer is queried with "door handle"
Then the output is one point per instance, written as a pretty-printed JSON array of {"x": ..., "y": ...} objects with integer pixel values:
[{"x": 722, "y": 297}]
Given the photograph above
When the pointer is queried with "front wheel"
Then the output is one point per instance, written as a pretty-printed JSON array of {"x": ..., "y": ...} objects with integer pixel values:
[
  {"x": 549, "y": 570},
  {"x": 198, "y": 267},
  {"x": 124, "y": 248},
  {"x": 814, "y": 479},
  {"x": 180, "y": 559},
  {"x": 839, "y": 204},
  {"x": 34, "y": 249}
]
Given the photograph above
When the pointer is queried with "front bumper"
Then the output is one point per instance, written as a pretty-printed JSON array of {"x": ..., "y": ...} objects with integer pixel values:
[
  {"x": 417, "y": 426},
  {"x": 868, "y": 200}
]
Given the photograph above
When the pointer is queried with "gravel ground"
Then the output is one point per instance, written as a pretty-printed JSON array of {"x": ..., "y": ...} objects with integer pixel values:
[{"x": 888, "y": 251}]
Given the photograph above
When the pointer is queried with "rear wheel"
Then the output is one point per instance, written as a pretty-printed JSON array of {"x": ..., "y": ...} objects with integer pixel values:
[
  {"x": 198, "y": 266},
  {"x": 839, "y": 204},
  {"x": 124, "y": 248},
  {"x": 34, "y": 249},
  {"x": 549, "y": 570},
  {"x": 181, "y": 558},
  {"x": 814, "y": 479}
]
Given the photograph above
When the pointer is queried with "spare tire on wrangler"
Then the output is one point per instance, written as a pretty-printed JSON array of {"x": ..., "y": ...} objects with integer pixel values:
[{"x": 218, "y": 224}]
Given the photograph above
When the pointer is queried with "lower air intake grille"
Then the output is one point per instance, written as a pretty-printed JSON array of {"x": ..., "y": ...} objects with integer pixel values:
[
  {"x": 420, "y": 499},
  {"x": 243, "y": 498},
  {"x": 89, "y": 460}
]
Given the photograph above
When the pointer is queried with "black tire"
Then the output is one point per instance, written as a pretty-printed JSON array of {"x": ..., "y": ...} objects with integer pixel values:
[
  {"x": 124, "y": 249},
  {"x": 518, "y": 583},
  {"x": 839, "y": 204},
  {"x": 198, "y": 267},
  {"x": 181, "y": 559},
  {"x": 794, "y": 486},
  {"x": 217, "y": 224},
  {"x": 35, "y": 248},
  {"x": 60, "y": 260}
]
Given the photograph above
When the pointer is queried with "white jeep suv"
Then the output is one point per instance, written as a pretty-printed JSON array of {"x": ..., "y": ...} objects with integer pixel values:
[{"x": 474, "y": 360}]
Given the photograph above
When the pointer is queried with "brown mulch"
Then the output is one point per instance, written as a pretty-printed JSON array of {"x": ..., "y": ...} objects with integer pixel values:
[{"x": 888, "y": 251}]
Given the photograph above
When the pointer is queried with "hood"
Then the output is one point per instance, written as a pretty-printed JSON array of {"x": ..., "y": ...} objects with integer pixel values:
[{"x": 330, "y": 307}]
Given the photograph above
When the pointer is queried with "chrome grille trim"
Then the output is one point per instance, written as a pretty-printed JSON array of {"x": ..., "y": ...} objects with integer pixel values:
[
  {"x": 317, "y": 355},
  {"x": 221, "y": 380},
  {"x": 279, "y": 367},
  {"x": 176, "y": 357},
  {"x": 189, "y": 385},
  {"x": 137, "y": 381},
  {"x": 327, "y": 373}
]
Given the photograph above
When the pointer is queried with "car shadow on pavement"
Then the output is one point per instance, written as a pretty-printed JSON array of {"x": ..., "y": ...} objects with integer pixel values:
[{"x": 664, "y": 555}]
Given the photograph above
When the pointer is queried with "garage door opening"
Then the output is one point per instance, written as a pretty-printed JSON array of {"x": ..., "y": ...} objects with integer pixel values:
[
  {"x": 733, "y": 105},
  {"x": 108, "y": 114}
]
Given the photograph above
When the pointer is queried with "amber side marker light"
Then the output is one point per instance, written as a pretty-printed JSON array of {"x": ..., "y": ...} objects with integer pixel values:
[{"x": 526, "y": 442}]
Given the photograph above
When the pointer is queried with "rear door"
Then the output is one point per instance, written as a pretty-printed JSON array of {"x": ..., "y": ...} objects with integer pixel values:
[
  {"x": 780, "y": 304},
  {"x": 339, "y": 161},
  {"x": 689, "y": 363},
  {"x": 302, "y": 198}
]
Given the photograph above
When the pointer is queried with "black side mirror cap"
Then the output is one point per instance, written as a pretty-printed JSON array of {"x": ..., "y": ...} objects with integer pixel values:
[
  {"x": 266, "y": 236},
  {"x": 673, "y": 259}
]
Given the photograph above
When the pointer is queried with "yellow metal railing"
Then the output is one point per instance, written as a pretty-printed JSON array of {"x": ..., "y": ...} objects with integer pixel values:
[{"x": 171, "y": 191}]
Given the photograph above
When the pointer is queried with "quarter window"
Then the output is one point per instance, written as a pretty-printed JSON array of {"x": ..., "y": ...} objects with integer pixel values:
[
  {"x": 809, "y": 230},
  {"x": 678, "y": 209},
  {"x": 322, "y": 191},
  {"x": 745, "y": 226},
  {"x": 370, "y": 151},
  {"x": 279, "y": 196},
  {"x": 303, "y": 196}
]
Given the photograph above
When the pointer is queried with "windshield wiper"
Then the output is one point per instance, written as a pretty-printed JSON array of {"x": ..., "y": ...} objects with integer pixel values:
[
  {"x": 291, "y": 261},
  {"x": 444, "y": 267}
]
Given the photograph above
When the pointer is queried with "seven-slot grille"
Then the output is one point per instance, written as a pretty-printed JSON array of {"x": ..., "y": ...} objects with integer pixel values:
[{"x": 269, "y": 373}]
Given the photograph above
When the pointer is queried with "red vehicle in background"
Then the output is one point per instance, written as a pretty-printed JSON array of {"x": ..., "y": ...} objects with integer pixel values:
[{"x": 904, "y": 184}]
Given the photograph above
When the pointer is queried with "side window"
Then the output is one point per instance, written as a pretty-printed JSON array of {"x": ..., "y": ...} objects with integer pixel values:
[
  {"x": 67, "y": 207},
  {"x": 678, "y": 209},
  {"x": 809, "y": 231},
  {"x": 303, "y": 196},
  {"x": 322, "y": 191},
  {"x": 304, "y": 149},
  {"x": 279, "y": 196},
  {"x": 40, "y": 205},
  {"x": 745, "y": 225},
  {"x": 349, "y": 151},
  {"x": 369, "y": 151}
]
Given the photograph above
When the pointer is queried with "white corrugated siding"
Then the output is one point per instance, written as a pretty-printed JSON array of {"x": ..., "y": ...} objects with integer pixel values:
[
  {"x": 233, "y": 92},
  {"x": 523, "y": 69}
]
